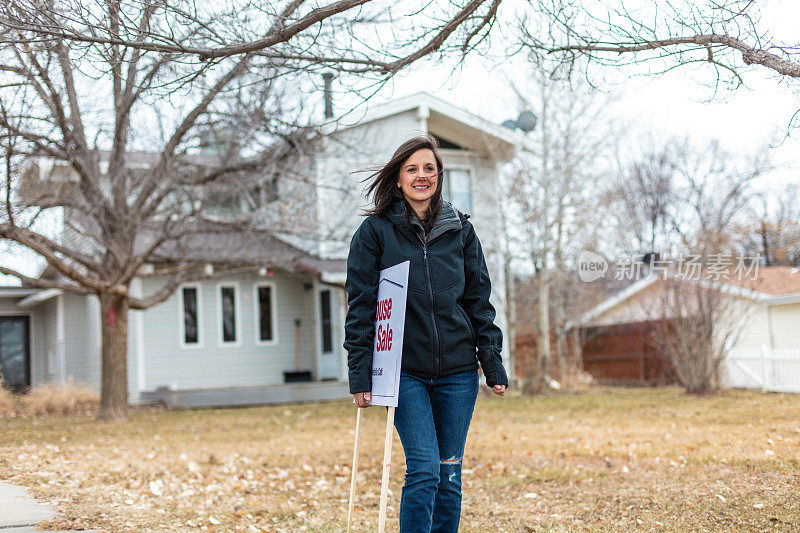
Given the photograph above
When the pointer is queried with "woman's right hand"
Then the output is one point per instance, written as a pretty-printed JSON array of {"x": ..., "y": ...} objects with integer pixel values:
[{"x": 362, "y": 399}]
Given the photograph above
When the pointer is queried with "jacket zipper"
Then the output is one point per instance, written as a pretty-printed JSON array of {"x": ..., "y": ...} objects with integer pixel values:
[
  {"x": 430, "y": 301},
  {"x": 436, "y": 354}
]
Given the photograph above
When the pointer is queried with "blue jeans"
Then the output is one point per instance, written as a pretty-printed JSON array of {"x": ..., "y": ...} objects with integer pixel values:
[{"x": 432, "y": 418}]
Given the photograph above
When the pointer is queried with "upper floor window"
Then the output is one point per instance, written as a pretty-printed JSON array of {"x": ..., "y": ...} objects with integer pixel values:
[
  {"x": 457, "y": 188},
  {"x": 262, "y": 194},
  {"x": 221, "y": 203}
]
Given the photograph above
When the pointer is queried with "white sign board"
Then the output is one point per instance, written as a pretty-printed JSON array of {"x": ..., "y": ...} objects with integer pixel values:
[{"x": 390, "y": 321}]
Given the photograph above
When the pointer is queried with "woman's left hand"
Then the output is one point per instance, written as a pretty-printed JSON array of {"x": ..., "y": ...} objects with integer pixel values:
[{"x": 500, "y": 390}]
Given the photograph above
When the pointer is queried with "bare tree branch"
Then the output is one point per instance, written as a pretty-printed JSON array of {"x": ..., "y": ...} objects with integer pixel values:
[
  {"x": 722, "y": 33},
  {"x": 751, "y": 55},
  {"x": 45, "y": 283}
]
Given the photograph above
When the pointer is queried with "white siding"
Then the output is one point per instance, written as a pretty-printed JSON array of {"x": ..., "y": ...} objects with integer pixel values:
[
  {"x": 38, "y": 346},
  {"x": 309, "y": 337},
  {"x": 754, "y": 331},
  {"x": 167, "y": 364},
  {"x": 93, "y": 342},
  {"x": 49, "y": 335},
  {"x": 292, "y": 215},
  {"x": 8, "y": 306},
  {"x": 338, "y": 312},
  {"x": 136, "y": 356},
  {"x": 82, "y": 352},
  {"x": 786, "y": 326},
  {"x": 768, "y": 354}
]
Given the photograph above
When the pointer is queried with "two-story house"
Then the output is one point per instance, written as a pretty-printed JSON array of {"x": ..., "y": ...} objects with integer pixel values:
[{"x": 276, "y": 335}]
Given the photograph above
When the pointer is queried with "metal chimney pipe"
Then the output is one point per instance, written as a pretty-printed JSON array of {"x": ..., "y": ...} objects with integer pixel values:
[{"x": 328, "y": 77}]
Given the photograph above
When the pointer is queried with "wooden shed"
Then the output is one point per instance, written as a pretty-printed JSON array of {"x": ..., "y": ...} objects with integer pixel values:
[
  {"x": 624, "y": 353},
  {"x": 617, "y": 341}
]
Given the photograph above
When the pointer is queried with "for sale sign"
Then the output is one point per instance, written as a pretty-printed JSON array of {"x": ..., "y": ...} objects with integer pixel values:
[{"x": 390, "y": 321}]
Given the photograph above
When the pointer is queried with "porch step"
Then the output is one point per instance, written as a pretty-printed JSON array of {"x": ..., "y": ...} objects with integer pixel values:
[{"x": 256, "y": 395}]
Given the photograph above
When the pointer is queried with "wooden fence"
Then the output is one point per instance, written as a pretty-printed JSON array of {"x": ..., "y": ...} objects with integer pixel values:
[
  {"x": 625, "y": 353},
  {"x": 621, "y": 353}
]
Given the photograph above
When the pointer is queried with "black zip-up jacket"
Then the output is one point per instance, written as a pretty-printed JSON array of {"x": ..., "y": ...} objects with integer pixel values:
[{"x": 449, "y": 319}]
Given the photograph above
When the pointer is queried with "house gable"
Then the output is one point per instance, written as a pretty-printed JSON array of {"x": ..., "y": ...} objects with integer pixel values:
[
  {"x": 442, "y": 119},
  {"x": 774, "y": 286}
]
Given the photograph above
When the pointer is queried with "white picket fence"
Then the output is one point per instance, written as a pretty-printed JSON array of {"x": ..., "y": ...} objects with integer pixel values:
[{"x": 765, "y": 369}]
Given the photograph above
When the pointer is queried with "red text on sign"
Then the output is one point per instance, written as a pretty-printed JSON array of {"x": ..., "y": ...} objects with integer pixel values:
[
  {"x": 384, "y": 309},
  {"x": 384, "y": 338}
]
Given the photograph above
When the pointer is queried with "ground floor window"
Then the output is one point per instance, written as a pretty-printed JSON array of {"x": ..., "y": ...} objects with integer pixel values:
[
  {"x": 191, "y": 332},
  {"x": 189, "y": 307},
  {"x": 15, "y": 362},
  {"x": 325, "y": 320},
  {"x": 228, "y": 314},
  {"x": 265, "y": 303}
]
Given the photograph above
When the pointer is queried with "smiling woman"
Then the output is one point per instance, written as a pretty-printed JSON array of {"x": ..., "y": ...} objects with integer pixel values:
[
  {"x": 413, "y": 174},
  {"x": 449, "y": 327},
  {"x": 418, "y": 180}
]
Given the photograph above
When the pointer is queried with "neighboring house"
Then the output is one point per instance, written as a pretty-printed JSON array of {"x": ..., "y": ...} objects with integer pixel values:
[
  {"x": 616, "y": 332},
  {"x": 250, "y": 339}
]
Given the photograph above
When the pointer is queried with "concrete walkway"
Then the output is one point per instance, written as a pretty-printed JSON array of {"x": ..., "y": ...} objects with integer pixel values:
[{"x": 19, "y": 512}]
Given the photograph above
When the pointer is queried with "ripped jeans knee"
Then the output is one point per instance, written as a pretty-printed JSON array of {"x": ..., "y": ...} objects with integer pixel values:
[{"x": 450, "y": 470}]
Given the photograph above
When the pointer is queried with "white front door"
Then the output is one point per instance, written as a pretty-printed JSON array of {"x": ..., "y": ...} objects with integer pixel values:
[{"x": 329, "y": 363}]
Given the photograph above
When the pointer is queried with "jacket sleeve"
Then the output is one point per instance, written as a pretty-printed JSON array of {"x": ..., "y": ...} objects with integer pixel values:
[
  {"x": 477, "y": 289},
  {"x": 361, "y": 284}
]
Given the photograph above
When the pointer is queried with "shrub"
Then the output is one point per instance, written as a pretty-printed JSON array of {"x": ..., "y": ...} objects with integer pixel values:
[
  {"x": 61, "y": 399},
  {"x": 7, "y": 409}
]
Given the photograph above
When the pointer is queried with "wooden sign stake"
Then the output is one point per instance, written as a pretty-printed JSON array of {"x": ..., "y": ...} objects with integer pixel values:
[
  {"x": 387, "y": 463},
  {"x": 355, "y": 469}
]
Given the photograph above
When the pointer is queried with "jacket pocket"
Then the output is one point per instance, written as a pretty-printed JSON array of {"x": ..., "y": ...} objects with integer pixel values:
[{"x": 469, "y": 324}]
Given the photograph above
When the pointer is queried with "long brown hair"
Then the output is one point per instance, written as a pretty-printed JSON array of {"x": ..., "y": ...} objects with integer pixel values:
[{"x": 384, "y": 188}]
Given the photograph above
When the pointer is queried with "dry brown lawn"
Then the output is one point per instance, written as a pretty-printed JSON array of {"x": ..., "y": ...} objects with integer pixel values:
[{"x": 602, "y": 460}]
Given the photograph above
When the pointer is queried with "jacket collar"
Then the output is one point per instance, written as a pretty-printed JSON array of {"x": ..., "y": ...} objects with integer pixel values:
[{"x": 402, "y": 215}]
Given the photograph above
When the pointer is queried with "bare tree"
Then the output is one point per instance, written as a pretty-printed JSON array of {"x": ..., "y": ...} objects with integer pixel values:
[
  {"x": 715, "y": 188},
  {"x": 555, "y": 188},
  {"x": 772, "y": 228},
  {"x": 644, "y": 193},
  {"x": 509, "y": 255},
  {"x": 726, "y": 35},
  {"x": 699, "y": 322},
  {"x": 684, "y": 197},
  {"x": 147, "y": 117},
  {"x": 696, "y": 310}
]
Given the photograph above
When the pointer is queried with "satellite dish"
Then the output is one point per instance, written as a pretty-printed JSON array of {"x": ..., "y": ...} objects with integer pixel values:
[
  {"x": 527, "y": 121},
  {"x": 510, "y": 124}
]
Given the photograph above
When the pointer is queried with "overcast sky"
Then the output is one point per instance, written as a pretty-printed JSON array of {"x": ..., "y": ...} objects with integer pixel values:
[{"x": 675, "y": 104}]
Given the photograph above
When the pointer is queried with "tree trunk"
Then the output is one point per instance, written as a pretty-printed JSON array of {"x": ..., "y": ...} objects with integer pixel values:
[
  {"x": 577, "y": 342},
  {"x": 544, "y": 329},
  {"x": 561, "y": 350},
  {"x": 114, "y": 388},
  {"x": 511, "y": 317},
  {"x": 560, "y": 330}
]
